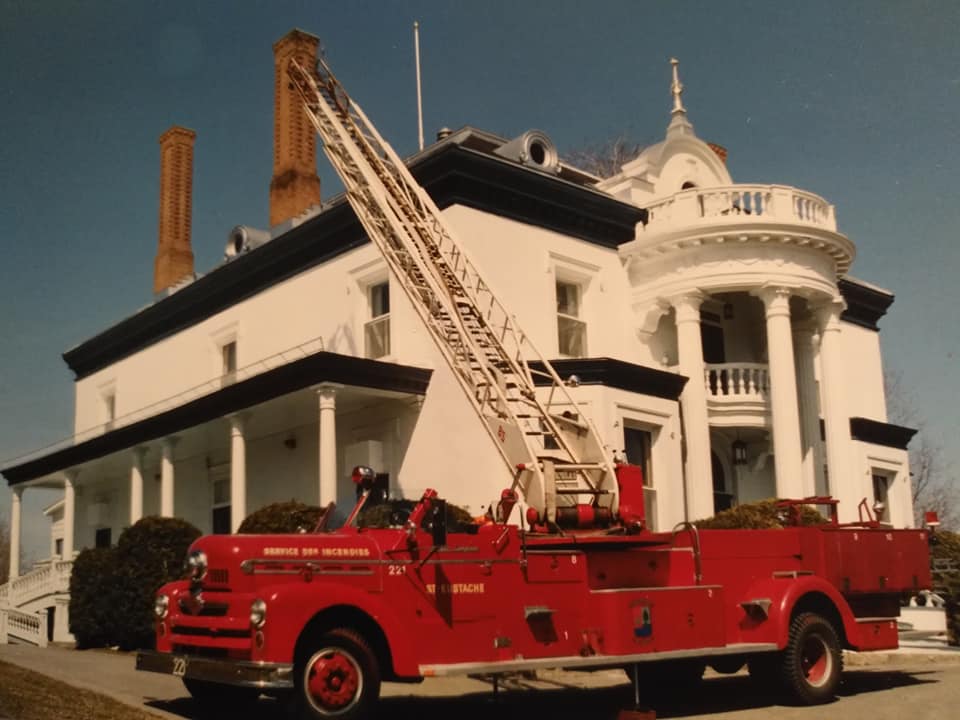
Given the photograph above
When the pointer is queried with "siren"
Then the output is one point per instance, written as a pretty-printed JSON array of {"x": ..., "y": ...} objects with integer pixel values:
[{"x": 244, "y": 239}]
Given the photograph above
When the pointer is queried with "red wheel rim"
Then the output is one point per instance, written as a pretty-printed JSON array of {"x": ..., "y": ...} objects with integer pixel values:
[
  {"x": 333, "y": 681},
  {"x": 816, "y": 661}
]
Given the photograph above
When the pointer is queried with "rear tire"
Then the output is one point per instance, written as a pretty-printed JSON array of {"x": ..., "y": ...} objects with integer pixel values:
[
  {"x": 812, "y": 663},
  {"x": 338, "y": 676}
]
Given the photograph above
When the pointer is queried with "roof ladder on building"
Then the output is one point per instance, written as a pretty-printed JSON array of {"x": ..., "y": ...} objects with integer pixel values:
[{"x": 553, "y": 451}]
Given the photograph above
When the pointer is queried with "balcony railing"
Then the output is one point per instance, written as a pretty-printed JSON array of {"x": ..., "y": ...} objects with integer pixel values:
[
  {"x": 737, "y": 382},
  {"x": 742, "y": 204},
  {"x": 263, "y": 365}
]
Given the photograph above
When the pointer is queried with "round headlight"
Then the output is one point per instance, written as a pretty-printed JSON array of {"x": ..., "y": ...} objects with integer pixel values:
[
  {"x": 196, "y": 565},
  {"x": 258, "y": 613},
  {"x": 160, "y": 606}
]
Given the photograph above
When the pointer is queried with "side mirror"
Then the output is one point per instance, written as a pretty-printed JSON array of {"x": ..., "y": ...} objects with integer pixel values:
[{"x": 438, "y": 522}]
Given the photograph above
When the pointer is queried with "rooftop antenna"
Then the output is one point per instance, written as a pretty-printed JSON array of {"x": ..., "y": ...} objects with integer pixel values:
[{"x": 416, "y": 51}]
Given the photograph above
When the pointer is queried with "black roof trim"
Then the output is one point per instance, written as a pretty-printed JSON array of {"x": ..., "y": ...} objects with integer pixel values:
[
  {"x": 618, "y": 374},
  {"x": 316, "y": 368},
  {"x": 880, "y": 433},
  {"x": 451, "y": 174},
  {"x": 865, "y": 304}
]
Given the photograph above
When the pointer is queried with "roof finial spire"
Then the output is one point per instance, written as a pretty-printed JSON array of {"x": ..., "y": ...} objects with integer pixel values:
[{"x": 676, "y": 89}]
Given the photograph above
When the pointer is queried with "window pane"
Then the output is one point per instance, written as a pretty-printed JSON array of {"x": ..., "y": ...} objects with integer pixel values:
[
  {"x": 572, "y": 335},
  {"x": 379, "y": 299},
  {"x": 568, "y": 299},
  {"x": 636, "y": 447},
  {"x": 221, "y": 492},
  {"x": 377, "y": 336},
  {"x": 102, "y": 538},
  {"x": 221, "y": 520},
  {"x": 229, "y": 358}
]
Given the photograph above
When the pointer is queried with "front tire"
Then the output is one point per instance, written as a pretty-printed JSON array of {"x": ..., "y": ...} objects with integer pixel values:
[
  {"x": 337, "y": 677},
  {"x": 812, "y": 662}
]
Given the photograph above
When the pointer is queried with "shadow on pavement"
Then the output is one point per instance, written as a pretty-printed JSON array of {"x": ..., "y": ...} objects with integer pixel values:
[{"x": 720, "y": 694}]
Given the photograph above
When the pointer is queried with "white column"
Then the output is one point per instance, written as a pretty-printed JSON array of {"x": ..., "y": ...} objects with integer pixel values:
[
  {"x": 15, "y": 501},
  {"x": 238, "y": 470},
  {"x": 327, "y": 395},
  {"x": 698, "y": 480},
  {"x": 136, "y": 483},
  {"x": 167, "y": 476},
  {"x": 812, "y": 469},
  {"x": 69, "y": 512},
  {"x": 841, "y": 481},
  {"x": 783, "y": 393}
]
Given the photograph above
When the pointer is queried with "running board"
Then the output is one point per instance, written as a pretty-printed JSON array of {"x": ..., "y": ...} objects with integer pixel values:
[{"x": 573, "y": 662}]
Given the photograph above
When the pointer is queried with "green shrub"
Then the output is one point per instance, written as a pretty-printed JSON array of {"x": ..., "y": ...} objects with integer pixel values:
[
  {"x": 280, "y": 518},
  {"x": 945, "y": 561},
  {"x": 149, "y": 554},
  {"x": 761, "y": 515},
  {"x": 394, "y": 513},
  {"x": 92, "y": 599}
]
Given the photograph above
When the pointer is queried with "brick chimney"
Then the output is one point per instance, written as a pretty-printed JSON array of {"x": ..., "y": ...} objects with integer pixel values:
[
  {"x": 295, "y": 185},
  {"x": 174, "y": 255}
]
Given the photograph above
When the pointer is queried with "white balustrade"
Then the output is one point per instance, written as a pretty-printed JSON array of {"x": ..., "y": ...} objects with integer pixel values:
[
  {"x": 737, "y": 382},
  {"x": 24, "y": 627},
  {"x": 742, "y": 204},
  {"x": 48, "y": 579}
]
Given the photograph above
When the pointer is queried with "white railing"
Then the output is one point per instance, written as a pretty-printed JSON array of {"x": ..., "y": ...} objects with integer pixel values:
[
  {"x": 23, "y": 627},
  {"x": 737, "y": 382},
  {"x": 742, "y": 204},
  {"x": 46, "y": 580},
  {"x": 284, "y": 357}
]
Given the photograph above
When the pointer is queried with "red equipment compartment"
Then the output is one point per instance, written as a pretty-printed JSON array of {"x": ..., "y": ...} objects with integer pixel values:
[
  {"x": 858, "y": 560},
  {"x": 877, "y": 634},
  {"x": 657, "y": 620}
]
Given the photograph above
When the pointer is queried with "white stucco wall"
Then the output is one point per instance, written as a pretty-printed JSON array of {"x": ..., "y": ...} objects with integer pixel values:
[{"x": 864, "y": 372}]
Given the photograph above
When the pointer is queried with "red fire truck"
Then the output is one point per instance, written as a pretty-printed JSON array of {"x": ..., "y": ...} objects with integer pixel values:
[{"x": 324, "y": 617}]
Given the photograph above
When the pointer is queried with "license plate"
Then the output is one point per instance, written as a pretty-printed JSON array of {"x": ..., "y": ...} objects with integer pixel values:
[{"x": 179, "y": 666}]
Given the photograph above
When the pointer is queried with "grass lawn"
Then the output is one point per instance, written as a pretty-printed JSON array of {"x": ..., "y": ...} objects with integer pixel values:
[{"x": 26, "y": 695}]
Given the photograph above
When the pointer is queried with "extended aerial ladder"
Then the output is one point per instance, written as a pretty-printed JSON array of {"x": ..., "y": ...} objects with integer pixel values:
[{"x": 554, "y": 453}]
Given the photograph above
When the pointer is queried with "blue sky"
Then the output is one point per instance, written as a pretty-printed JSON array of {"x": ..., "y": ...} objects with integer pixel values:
[{"x": 856, "y": 101}]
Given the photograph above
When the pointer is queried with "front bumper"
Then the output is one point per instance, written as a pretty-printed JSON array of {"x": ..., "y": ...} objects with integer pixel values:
[{"x": 264, "y": 675}]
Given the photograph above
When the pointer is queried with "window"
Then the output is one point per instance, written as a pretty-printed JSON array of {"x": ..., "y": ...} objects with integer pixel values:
[
  {"x": 377, "y": 329},
  {"x": 101, "y": 539},
  {"x": 109, "y": 409},
  {"x": 58, "y": 548},
  {"x": 571, "y": 330},
  {"x": 220, "y": 519},
  {"x": 881, "y": 497},
  {"x": 637, "y": 446},
  {"x": 228, "y": 368},
  {"x": 722, "y": 497}
]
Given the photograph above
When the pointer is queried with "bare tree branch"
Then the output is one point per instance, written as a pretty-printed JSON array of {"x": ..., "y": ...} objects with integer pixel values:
[
  {"x": 934, "y": 487},
  {"x": 605, "y": 159}
]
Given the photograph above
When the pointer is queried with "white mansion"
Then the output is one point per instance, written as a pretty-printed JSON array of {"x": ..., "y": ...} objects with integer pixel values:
[{"x": 718, "y": 339}]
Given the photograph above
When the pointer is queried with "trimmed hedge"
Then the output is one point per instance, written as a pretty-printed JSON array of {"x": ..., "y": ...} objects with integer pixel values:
[
  {"x": 762, "y": 515},
  {"x": 292, "y": 517},
  {"x": 91, "y": 597},
  {"x": 280, "y": 518},
  {"x": 945, "y": 561},
  {"x": 112, "y": 589}
]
